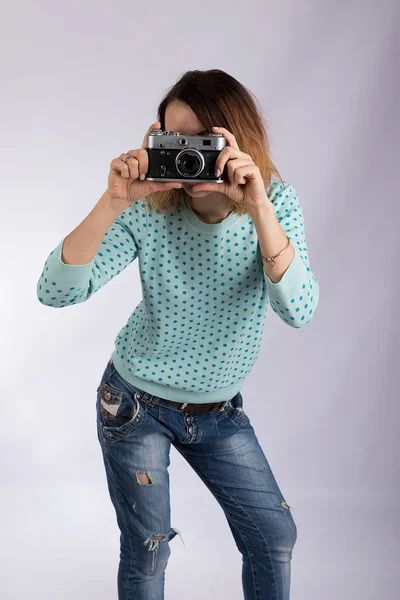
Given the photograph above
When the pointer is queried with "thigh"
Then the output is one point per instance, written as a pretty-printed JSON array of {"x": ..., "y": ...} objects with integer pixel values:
[
  {"x": 237, "y": 472},
  {"x": 136, "y": 454}
]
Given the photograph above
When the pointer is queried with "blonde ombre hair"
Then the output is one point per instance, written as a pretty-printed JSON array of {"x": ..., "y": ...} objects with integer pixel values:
[{"x": 217, "y": 98}]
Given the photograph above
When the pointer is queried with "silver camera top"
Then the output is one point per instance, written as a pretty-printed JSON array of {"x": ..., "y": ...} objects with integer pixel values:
[{"x": 173, "y": 140}]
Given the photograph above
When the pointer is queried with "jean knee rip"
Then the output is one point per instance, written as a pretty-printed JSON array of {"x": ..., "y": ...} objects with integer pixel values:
[{"x": 153, "y": 541}]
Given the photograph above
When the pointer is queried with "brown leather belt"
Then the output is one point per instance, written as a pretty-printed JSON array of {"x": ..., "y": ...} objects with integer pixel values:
[
  {"x": 197, "y": 409},
  {"x": 192, "y": 408}
]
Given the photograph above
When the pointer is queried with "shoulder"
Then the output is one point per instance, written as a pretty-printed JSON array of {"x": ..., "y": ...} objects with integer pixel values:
[{"x": 277, "y": 191}]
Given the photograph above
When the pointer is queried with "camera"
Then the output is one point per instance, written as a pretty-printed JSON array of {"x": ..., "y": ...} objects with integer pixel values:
[{"x": 183, "y": 158}]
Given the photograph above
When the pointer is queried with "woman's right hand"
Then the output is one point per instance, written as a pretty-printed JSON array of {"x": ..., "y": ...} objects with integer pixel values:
[{"x": 124, "y": 183}]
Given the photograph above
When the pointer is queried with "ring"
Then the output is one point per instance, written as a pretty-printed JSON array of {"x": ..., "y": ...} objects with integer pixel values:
[{"x": 129, "y": 156}]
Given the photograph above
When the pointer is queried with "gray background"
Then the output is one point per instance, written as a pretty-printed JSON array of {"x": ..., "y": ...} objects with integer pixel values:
[{"x": 80, "y": 84}]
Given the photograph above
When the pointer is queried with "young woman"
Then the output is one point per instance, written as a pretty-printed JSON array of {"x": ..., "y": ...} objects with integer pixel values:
[{"x": 211, "y": 258}]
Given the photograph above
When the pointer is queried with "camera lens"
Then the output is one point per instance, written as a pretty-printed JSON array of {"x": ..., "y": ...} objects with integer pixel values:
[{"x": 189, "y": 163}]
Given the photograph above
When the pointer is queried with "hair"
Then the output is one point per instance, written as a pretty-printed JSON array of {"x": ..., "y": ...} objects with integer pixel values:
[{"x": 218, "y": 98}]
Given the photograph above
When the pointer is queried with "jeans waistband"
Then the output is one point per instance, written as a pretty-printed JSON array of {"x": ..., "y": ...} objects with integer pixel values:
[{"x": 189, "y": 408}]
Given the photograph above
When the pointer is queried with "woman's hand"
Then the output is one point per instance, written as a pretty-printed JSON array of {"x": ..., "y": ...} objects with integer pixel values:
[
  {"x": 126, "y": 180},
  {"x": 245, "y": 184}
]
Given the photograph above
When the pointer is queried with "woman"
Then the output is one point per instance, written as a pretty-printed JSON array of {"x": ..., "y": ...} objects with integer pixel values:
[{"x": 211, "y": 257}]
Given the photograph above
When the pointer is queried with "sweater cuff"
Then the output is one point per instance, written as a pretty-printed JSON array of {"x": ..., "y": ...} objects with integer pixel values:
[
  {"x": 65, "y": 275},
  {"x": 294, "y": 280}
]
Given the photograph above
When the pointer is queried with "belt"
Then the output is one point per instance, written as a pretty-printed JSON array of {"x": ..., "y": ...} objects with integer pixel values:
[
  {"x": 197, "y": 409},
  {"x": 192, "y": 408}
]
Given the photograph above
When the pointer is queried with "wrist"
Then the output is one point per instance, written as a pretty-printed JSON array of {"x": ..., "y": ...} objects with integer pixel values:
[
  {"x": 265, "y": 208},
  {"x": 114, "y": 205}
]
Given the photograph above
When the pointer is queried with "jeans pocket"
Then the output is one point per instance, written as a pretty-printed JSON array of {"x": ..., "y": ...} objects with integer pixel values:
[
  {"x": 237, "y": 415},
  {"x": 120, "y": 411}
]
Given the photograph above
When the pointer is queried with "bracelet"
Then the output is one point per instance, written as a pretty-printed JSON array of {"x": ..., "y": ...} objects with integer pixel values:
[{"x": 272, "y": 258}]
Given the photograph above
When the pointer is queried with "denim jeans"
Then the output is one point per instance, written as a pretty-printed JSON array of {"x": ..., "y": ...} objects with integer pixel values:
[{"x": 135, "y": 431}]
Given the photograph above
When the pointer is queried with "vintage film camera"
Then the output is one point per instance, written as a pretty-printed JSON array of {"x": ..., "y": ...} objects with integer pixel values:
[{"x": 183, "y": 158}]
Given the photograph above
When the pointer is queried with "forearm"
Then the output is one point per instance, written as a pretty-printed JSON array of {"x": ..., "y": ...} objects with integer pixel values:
[
  {"x": 81, "y": 245},
  {"x": 272, "y": 239}
]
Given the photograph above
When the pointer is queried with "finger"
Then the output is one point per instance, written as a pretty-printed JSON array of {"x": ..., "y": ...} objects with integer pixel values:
[
  {"x": 233, "y": 166},
  {"x": 247, "y": 171},
  {"x": 153, "y": 126},
  {"x": 227, "y": 153},
  {"x": 133, "y": 165},
  {"x": 143, "y": 161},
  {"x": 119, "y": 166},
  {"x": 230, "y": 138}
]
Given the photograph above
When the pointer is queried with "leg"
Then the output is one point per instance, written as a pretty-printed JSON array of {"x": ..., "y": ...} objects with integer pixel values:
[
  {"x": 237, "y": 473},
  {"x": 136, "y": 460}
]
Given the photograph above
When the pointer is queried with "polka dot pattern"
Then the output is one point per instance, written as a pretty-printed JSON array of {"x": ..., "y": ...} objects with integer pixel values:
[
  {"x": 197, "y": 331},
  {"x": 62, "y": 284},
  {"x": 295, "y": 297}
]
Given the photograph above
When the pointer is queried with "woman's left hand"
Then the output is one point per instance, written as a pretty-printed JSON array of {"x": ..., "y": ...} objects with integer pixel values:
[{"x": 245, "y": 184}]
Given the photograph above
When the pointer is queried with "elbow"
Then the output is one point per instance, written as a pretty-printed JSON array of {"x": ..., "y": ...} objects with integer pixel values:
[
  {"x": 41, "y": 294},
  {"x": 298, "y": 319},
  {"x": 297, "y": 323},
  {"x": 304, "y": 319},
  {"x": 309, "y": 308},
  {"x": 56, "y": 300},
  {"x": 44, "y": 295},
  {"x": 52, "y": 302}
]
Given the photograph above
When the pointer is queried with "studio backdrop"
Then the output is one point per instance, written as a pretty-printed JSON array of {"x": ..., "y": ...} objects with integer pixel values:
[{"x": 81, "y": 82}]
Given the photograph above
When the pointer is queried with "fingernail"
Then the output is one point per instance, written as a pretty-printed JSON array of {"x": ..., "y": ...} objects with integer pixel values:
[
  {"x": 215, "y": 127},
  {"x": 217, "y": 172},
  {"x": 142, "y": 176}
]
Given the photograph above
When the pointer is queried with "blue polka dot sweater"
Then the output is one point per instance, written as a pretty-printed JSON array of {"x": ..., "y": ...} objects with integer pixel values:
[{"x": 197, "y": 331}]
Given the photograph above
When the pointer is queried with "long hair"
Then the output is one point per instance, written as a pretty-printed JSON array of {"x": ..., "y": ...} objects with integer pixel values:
[{"x": 218, "y": 98}]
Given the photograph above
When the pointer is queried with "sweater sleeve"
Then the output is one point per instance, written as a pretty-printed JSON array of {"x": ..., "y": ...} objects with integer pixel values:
[
  {"x": 62, "y": 284},
  {"x": 295, "y": 297}
]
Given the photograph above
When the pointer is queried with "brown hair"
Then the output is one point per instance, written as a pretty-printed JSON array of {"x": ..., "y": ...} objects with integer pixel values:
[{"x": 219, "y": 99}]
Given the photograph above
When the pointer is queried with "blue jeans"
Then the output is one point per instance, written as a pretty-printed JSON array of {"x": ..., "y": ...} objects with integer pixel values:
[{"x": 135, "y": 431}]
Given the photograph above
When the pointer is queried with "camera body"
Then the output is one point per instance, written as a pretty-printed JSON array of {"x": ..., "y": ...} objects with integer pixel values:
[{"x": 183, "y": 158}]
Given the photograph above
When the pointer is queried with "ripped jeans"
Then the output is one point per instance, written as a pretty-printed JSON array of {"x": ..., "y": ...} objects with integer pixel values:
[{"x": 135, "y": 431}]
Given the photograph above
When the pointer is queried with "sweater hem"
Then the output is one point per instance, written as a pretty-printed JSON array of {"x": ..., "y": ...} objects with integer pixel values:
[{"x": 175, "y": 394}]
